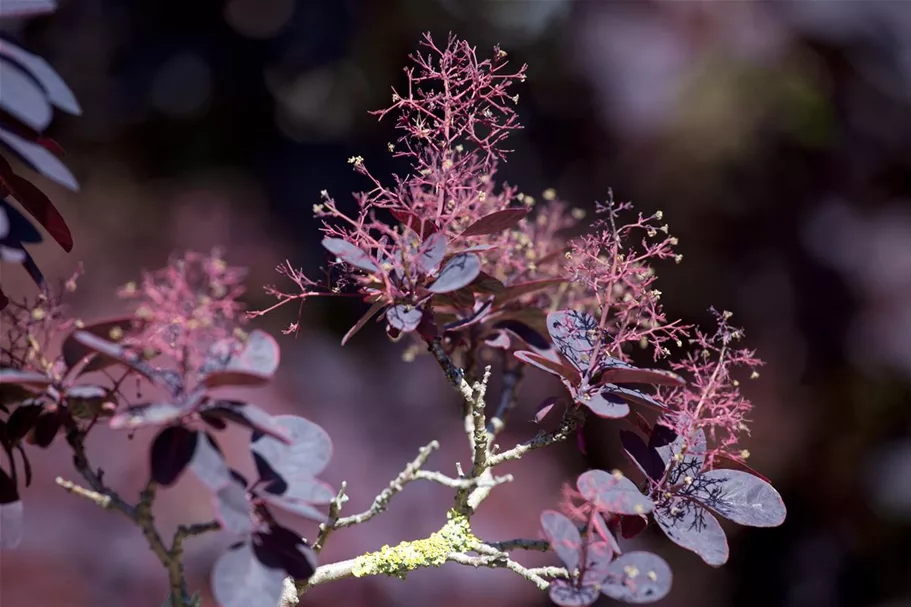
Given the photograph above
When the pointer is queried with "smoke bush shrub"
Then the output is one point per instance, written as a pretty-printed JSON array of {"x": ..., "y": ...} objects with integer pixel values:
[{"x": 463, "y": 268}]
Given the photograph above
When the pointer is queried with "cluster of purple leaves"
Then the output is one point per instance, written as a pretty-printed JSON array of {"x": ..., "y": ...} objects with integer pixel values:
[
  {"x": 682, "y": 497},
  {"x": 595, "y": 380},
  {"x": 289, "y": 451},
  {"x": 29, "y": 91}
]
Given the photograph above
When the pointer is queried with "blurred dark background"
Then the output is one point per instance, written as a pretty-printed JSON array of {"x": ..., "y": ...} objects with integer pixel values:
[{"x": 776, "y": 138}]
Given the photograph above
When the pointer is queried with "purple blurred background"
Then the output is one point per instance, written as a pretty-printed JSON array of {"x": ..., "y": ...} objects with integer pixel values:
[{"x": 776, "y": 138}]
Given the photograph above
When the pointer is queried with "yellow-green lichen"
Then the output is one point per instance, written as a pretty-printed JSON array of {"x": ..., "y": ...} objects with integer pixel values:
[{"x": 397, "y": 561}]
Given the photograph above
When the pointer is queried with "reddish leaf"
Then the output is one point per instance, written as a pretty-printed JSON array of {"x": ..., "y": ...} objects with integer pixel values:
[
  {"x": 376, "y": 307},
  {"x": 46, "y": 429},
  {"x": 542, "y": 362},
  {"x": 616, "y": 371},
  {"x": 423, "y": 227},
  {"x": 634, "y": 397},
  {"x": 42, "y": 209},
  {"x": 307, "y": 454},
  {"x": 495, "y": 222},
  {"x": 281, "y": 547}
]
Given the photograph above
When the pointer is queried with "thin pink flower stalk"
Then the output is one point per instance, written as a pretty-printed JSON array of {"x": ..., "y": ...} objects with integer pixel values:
[
  {"x": 712, "y": 399},
  {"x": 614, "y": 279},
  {"x": 187, "y": 306}
]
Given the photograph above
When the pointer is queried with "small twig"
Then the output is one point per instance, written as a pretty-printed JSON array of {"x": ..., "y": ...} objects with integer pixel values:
[
  {"x": 571, "y": 422},
  {"x": 520, "y": 544},
  {"x": 395, "y": 486},
  {"x": 463, "y": 483},
  {"x": 98, "y": 498}
]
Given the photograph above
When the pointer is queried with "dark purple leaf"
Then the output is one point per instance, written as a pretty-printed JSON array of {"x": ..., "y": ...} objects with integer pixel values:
[
  {"x": 458, "y": 272},
  {"x": 638, "y": 577},
  {"x": 431, "y": 253},
  {"x": 544, "y": 408},
  {"x": 247, "y": 415},
  {"x": 615, "y": 371},
  {"x": 740, "y": 497},
  {"x": 56, "y": 90},
  {"x": 691, "y": 526},
  {"x": 171, "y": 451},
  {"x": 376, "y": 307},
  {"x": 232, "y": 508},
  {"x": 525, "y": 333},
  {"x": 497, "y": 339},
  {"x": 542, "y": 362},
  {"x": 46, "y": 428},
  {"x": 737, "y": 464},
  {"x": 404, "y": 318},
  {"x": 422, "y": 227},
  {"x": 251, "y": 362},
  {"x": 634, "y": 397},
  {"x": 239, "y": 579},
  {"x": 11, "y": 518},
  {"x": 22, "y": 420},
  {"x": 495, "y": 222},
  {"x": 598, "y": 555},
  {"x": 612, "y": 493},
  {"x": 647, "y": 460},
  {"x": 575, "y": 335},
  {"x": 567, "y": 594},
  {"x": 605, "y": 405},
  {"x": 563, "y": 537},
  {"x": 208, "y": 464},
  {"x": 41, "y": 208},
  {"x": 478, "y": 314},
  {"x": 42, "y": 160},
  {"x": 307, "y": 455},
  {"x": 153, "y": 414},
  {"x": 20, "y": 228},
  {"x": 22, "y": 97},
  {"x": 350, "y": 254},
  {"x": 631, "y": 526},
  {"x": 25, "y": 8},
  {"x": 516, "y": 291},
  {"x": 281, "y": 547},
  {"x": 486, "y": 284}
]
